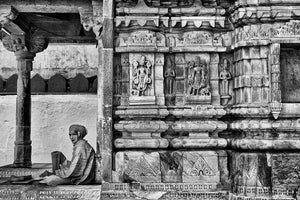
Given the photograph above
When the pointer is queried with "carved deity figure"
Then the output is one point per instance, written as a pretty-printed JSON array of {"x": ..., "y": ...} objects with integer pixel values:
[
  {"x": 225, "y": 76},
  {"x": 141, "y": 76},
  {"x": 169, "y": 77},
  {"x": 197, "y": 78}
]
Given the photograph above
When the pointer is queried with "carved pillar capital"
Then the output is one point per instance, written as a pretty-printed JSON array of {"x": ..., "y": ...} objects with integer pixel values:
[
  {"x": 91, "y": 18},
  {"x": 8, "y": 14},
  {"x": 19, "y": 44}
]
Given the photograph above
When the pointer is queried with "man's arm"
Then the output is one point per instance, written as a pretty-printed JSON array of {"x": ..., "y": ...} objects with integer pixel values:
[{"x": 71, "y": 169}]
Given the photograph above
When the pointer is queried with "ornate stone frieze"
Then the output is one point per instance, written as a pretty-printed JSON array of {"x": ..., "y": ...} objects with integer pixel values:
[
  {"x": 250, "y": 14},
  {"x": 264, "y": 34},
  {"x": 195, "y": 38},
  {"x": 142, "y": 38},
  {"x": 200, "y": 169},
  {"x": 127, "y": 21},
  {"x": 198, "y": 21}
]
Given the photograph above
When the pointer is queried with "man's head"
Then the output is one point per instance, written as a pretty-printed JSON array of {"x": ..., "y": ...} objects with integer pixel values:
[{"x": 77, "y": 132}]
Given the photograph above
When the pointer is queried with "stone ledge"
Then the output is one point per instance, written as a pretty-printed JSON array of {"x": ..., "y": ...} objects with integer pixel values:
[{"x": 34, "y": 192}]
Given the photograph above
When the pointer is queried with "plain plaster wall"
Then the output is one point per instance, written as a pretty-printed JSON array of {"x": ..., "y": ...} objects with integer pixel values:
[{"x": 51, "y": 117}]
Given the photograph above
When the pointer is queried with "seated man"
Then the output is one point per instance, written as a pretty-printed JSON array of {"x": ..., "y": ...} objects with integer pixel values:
[{"x": 81, "y": 168}]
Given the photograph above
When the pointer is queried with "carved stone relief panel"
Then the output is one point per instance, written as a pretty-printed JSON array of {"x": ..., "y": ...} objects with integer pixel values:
[
  {"x": 201, "y": 167},
  {"x": 197, "y": 79},
  {"x": 141, "y": 78},
  {"x": 180, "y": 84},
  {"x": 170, "y": 75},
  {"x": 225, "y": 76},
  {"x": 138, "y": 166}
]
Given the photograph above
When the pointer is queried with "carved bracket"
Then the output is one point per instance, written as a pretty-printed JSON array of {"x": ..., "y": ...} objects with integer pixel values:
[
  {"x": 91, "y": 19},
  {"x": 17, "y": 43},
  {"x": 7, "y": 15}
]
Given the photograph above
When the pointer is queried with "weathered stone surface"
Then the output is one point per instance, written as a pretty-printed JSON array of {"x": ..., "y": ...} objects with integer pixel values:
[
  {"x": 285, "y": 169},
  {"x": 79, "y": 84},
  {"x": 171, "y": 166},
  {"x": 138, "y": 166},
  {"x": 250, "y": 169},
  {"x": 57, "y": 83},
  {"x": 38, "y": 84},
  {"x": 11, "y": 83}
]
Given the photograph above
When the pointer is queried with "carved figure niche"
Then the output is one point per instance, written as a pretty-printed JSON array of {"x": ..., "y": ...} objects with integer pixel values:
[
  {"x": 142, "y": 88},
  {"x": 225, "y": 76},
  {"x": 170, "y": 75},
  {"x": 198, "y": 90}
]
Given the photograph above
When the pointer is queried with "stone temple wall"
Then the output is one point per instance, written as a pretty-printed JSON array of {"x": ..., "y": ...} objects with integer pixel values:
[{"x": 205, "y": 96}]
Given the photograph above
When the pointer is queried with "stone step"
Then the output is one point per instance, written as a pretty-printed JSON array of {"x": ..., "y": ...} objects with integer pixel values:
[{"x": 37, "y": 168}]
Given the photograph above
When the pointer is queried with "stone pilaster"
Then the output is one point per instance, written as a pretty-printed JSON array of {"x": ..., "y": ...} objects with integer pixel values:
[
  {"x": 25, "y": 51},
  {"x": 105, "y": 93}
]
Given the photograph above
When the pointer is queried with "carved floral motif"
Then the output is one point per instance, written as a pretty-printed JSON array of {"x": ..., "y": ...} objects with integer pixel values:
[
  {"x": 195, "y": 38},
  {"x": 141, "y": 74}
]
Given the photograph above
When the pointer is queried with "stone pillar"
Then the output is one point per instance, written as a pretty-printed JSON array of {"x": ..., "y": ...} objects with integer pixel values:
[
  {"x": 105, "y": 92},
  {"x": 22, "y": 151},
  {"x": 25, "y": 53}
]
